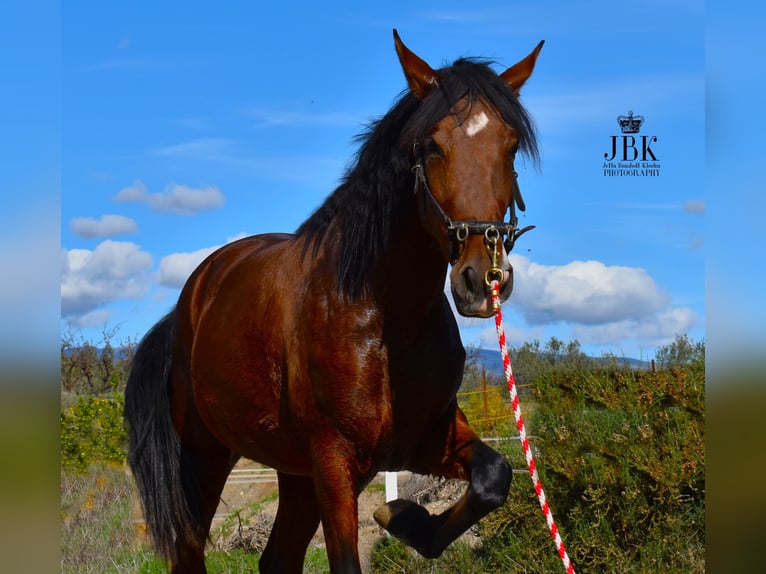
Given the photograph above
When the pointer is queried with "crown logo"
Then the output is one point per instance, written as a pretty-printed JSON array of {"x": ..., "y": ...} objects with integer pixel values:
[{"x": 630, "y": 124}]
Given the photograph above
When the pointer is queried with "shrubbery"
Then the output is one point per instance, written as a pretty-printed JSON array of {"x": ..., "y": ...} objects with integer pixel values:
[
  {"x": 92, "y": 430},
  {"x": 92, "y": 385},
  {"x": 620, "y": 454}
]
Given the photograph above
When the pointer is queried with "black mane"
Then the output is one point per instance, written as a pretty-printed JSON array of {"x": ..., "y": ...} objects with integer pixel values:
[{"x": 370, "y": 197}]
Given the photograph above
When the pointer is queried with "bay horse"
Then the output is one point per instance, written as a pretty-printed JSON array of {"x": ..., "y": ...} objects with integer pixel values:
[{"x": 332, "y": 353}]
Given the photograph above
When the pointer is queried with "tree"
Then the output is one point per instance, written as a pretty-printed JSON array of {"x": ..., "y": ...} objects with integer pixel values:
[
  {"x": 681, "y": 352},
  {"x": 94, "y": 369}
]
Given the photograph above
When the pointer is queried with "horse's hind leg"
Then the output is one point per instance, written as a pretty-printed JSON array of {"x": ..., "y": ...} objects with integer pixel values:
[
  {"x": 207, "y": 479},
  {"x": 296, "y": 522},
  {"x": 178, "y": 466},
  {"x": 205, "y": 466},
  {"x": 465, "y": 457}
]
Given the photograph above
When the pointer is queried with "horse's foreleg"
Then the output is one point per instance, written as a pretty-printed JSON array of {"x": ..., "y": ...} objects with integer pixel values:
[
  {"x": 490, "y": 479},
  {"x": 296, "y": 522},
  {"x": 336, "y": 488}
]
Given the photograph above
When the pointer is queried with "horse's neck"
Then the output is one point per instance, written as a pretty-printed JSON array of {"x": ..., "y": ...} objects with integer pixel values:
[{"x": 411, "y": 276}]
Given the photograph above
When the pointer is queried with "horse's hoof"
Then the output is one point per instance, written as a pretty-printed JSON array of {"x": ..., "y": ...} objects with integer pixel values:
[
  {"x": 409, "y": 522},
  {"x": 389, "y": 511}
]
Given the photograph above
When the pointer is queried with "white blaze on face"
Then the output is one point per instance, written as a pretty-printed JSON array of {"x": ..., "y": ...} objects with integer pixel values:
[{"x": 476, "y": 124}]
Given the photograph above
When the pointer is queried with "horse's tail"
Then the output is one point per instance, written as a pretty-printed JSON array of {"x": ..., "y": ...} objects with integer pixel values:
[{"x": 154, "y": 447}]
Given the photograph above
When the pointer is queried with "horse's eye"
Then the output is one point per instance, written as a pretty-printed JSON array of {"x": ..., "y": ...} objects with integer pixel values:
[{"x": 431, "y": 148}]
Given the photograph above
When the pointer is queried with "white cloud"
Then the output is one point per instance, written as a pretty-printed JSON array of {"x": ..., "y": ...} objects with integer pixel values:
[
  {"x": 694, "y": 207},
  {"x": 236, "y": 236},
  {"x": 194, "y": 123},
  {"x": 113, "y": 270},
  {"x": 266, "y": 118},
  {"x": 612, "y": 307},
  {"x": 653, "y": 330},
  {"x": 175, "y": 198},
  {"x": 97, "y": 318},
  {"x": 583, "y": 292},
  {"x": 515, "y": 336},
  {"x": 176, "y": 268},
  {"x": 217, "y": 149},
  {"x": 314, "y": 169},
  {"x": 104, "y": 227}
]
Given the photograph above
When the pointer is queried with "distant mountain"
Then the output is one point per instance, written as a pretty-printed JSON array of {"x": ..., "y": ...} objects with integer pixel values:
[
  {"x": 485, "y": 359},
  {"x": 120, "y": 353}
]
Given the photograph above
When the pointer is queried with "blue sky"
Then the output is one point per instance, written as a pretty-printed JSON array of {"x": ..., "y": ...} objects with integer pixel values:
[{"x": 185, "y": 126}]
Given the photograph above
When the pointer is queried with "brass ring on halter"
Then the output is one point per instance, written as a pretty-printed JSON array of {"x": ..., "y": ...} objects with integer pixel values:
[
  {"x": 493, "y": 274},
  {"x": 492, "y": 234}
]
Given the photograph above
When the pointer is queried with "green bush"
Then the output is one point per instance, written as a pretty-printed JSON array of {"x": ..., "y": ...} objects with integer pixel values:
[
  {"x": 488, "y": 411},
  {"x": 92, "y": 430},
  {"x": 621, "y": 456}
]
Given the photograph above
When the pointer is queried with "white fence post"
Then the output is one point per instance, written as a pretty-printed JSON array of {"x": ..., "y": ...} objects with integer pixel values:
[{"x": 391, "y": 486}]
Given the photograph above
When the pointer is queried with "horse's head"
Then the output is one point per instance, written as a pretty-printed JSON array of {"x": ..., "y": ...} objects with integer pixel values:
[{"x": 463, "y": 163}]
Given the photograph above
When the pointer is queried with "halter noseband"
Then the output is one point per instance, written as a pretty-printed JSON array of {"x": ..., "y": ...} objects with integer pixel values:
[{"x": 458, "y": 231}]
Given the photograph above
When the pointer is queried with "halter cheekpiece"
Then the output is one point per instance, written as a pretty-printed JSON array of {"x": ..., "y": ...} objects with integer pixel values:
[{"x": 459, "y": 231}]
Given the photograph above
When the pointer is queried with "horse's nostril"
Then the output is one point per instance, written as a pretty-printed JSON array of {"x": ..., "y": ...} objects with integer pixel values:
[
  {"x": 467, "y": 279},
  {"x": 471, "y": 280}
]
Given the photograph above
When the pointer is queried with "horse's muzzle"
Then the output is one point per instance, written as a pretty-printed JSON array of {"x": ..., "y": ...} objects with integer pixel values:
[{"x": 471, "y": 292}]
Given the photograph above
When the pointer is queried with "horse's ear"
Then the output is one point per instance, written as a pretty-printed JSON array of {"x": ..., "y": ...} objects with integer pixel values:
[
  {"x": 420, "y": 76},
  {"x": 516, "y": 75}
]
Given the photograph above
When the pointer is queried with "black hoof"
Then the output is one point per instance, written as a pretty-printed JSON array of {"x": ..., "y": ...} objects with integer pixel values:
[{"x": 409, "y": 522}]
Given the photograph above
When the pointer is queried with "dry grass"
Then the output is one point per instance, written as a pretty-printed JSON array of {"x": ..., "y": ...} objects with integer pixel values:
[{"x": 97, "y": 528}]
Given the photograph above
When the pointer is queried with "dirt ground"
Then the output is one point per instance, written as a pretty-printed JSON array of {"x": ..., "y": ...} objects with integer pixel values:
[{"x": 247, "y": 510}]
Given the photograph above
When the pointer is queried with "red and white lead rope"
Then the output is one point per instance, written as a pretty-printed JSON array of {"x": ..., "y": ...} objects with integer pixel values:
[{"x": 523, "y": 432}]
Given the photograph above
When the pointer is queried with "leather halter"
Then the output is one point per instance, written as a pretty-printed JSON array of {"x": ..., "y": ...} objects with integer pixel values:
[{"x": 459, "y": 231}]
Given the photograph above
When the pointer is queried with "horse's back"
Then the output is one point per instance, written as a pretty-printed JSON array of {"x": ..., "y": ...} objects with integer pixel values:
[{"x": 246, "y": 254}]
